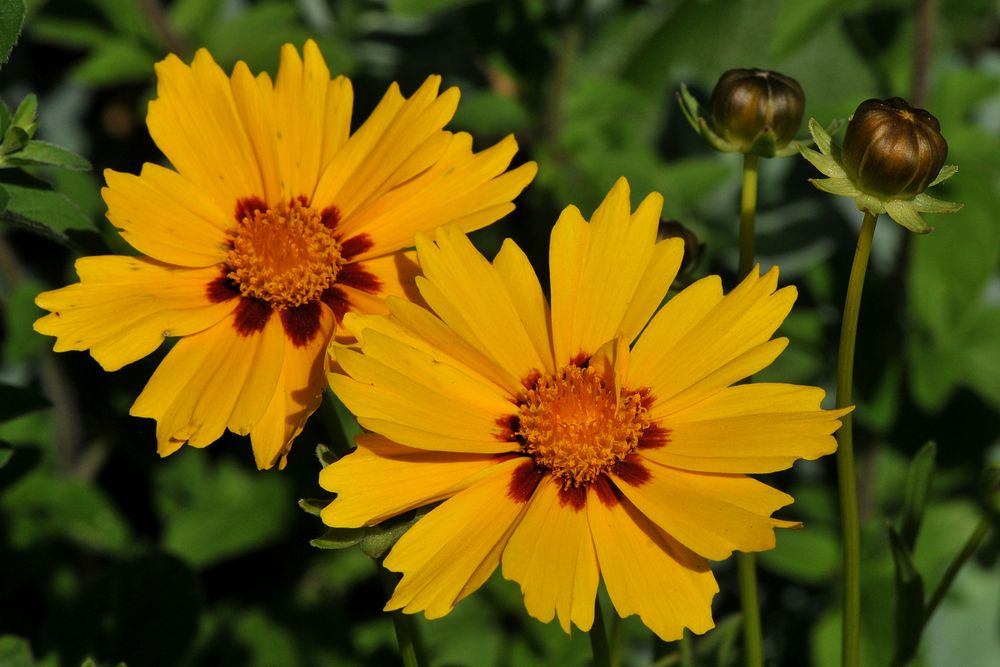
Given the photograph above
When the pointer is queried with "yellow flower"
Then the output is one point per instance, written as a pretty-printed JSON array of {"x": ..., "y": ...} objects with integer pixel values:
[
  {"x": 561, "y": 450},
  {"x": 275, "y": 221}
]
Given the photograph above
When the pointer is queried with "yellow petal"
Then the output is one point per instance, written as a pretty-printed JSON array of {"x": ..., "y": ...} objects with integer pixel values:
[
  {"x": 124, "y": 307},
  {"x": 468, "y": 294},
  {"x": 672, "y": 356},
  {"x": 298, "y": 393},
  {"x": 711, "y": 514},
  {"x": 607, "y": 299},
  {"x": 518, "y": 277},
  {"x": 254, "y": 100},
  {"x": 450, "y": 552},
  {"x": 365, "y": 285},
  {"x": 162, "y": 215},
  {"x": 194, "y": 121},
  {"x": 381, "y": 479},
  {"x": 754, "y": 428},
  {"x": 469, "y": 189},
  {"x": 211, "y": 380},
  {"x": 551, "y": 555},
  {"x": 649, "y": 573}
]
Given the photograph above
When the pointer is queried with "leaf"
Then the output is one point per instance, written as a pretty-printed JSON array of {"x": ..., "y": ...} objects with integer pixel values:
[
  {"x": 192, "y": 15},
  {"x": 115, "y": 62},
  {"x": 15, "y": 652},
  {"x": 810, "y": 555},
  {"x": 313, "y": 505},
  {"x": 213, "y": 511},
  {"x": 34, "y": 206},
  {"x": 379, "y": 539},
  {"x": 26, "y": 112},
  {"x": 17, "y": 401},
  {"x": 909, "y": 603},
  {"x": 44, "y": 153},
  {"x": 68, "y": 32},
  {"x": 338, "y": 538},
  {"x": 11, "y": 20},
  {"x": 918, "y": 486},
  {"x": 6, "y": 451},
  {"x": 425, "y": 7}
]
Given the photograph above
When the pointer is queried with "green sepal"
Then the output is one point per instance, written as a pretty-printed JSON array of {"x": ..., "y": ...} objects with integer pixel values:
[
  {"x": 927, "y": 204},
  {"x": 840, "y": 186},
  {"x": 946, "y": 172},
  {"x": 821, "y": 137},
  {"x": 826, "y": 164},
  {"x": 905, "y": 213},
  {"x": 313, "y": 505},
  {"x": 325, "y": 455},
  {"x": 764, "y": 144},
  {"x": 692, "y": 112},
  {"x": 339, "y": 538},
  {"x": 918, "y": 486},
  {"x": 379, "y": 539},
  {"x": 909, "y": 603},
  {"x": 24, "y": 116}
]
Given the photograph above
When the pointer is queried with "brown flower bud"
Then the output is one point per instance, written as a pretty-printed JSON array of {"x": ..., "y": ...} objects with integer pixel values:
[
  {"x": 892, "y": 150},
  {"x": 753, "y": 104}
]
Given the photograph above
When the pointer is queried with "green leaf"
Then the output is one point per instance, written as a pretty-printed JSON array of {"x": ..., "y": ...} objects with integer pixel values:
[
  {"x": 490, "y": 113},
  {"x": 213, "y": 511},
  {"x": 44, "y": 153},
  {"x": 5, "y": 117},
  {"x": 918, "y": 486},
  {"x": 909, "y": 604},
  {"x": 11, "y": 20},
  {"x": 17, "y": 401},
  {"x": 192, "y": 15},
  {"x": 34, "y": 206},
  {"x": 6, "y": 451},
  {"x": 15, "y": 652},
  {"x": 425, "y": 7},
  {"x": 26, "y": 112},
  {"x": 44, "y": 507},
  {"x": 379, "y": 539},
  {"x": 338, "y": 538},
  {"x": 14, "y": 139},
  {"x": 68, "y": 32},
  {"x": 115, "y": 62}
]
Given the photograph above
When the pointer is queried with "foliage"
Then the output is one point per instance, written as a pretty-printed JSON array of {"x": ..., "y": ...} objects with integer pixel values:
[{"x": 111, "y": 554}]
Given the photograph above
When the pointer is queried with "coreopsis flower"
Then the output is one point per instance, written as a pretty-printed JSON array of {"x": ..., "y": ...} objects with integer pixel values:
[
  {"x": 892, "y": 153},
  {"x": 596, "y": 439},
  {"x": 274, "y": 222}
]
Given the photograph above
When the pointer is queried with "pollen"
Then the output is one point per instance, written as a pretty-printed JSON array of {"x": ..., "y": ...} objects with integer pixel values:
[
  {"x": 284, "y": 255},
  {"x": 573, "y": 424}
]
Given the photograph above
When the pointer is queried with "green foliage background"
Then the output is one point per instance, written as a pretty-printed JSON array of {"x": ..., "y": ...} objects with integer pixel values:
[{"x": 108, "y": 552}]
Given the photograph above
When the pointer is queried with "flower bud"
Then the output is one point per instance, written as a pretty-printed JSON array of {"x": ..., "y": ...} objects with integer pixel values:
[
  {"x": 892, "y": 150},
  {"x": 753, "y": 105}
]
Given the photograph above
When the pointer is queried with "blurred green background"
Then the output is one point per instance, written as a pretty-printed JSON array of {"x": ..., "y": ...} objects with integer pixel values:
[{"x": 110, "y": 553}]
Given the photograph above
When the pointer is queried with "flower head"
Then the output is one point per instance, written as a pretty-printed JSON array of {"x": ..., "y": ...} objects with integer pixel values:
[
  {"x": 596, "y": 438},
  {"x": 752, "y": 111},
  {"x": 892, "y": 153},
  {"x": 274, "y": 222}
]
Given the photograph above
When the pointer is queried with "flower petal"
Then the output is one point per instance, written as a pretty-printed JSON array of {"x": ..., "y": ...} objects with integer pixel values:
[
  {"x": 451, "y": 552},
  {"x": 194, "y": 110},
  {"x": 711, "y": 514},
  {"x": 752, "y": 428},
  {"x": 124, "y": 307},
  {"x": 162, "y": 215},
  {"x": 649, "y": 573},
  {"x": 298, "y": 393},
  {"x": 519, "y": 278},
  {"x": 551, "y": 555},
  {"x": 381, "y": 479},
  {"x": 211, "y": 380}
]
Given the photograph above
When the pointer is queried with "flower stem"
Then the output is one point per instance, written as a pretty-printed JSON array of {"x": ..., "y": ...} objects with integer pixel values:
[
  {"x": 977, "y": 537},
  {"x": 411, "y": 649},
  {"x": 848, "y": 487},
  {"x": 685, "y": 650},
  {"x": 748, "y": 210},
  {"x": 599, "y": 638},
  {"x": 745, "y": 563}
]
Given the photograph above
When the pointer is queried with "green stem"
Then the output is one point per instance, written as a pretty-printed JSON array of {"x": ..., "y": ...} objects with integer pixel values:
[
  {"x": 977, "y": 537},
  {"x": 685, "y": 650},
  {"x": 847, "y": 483},
  {"x": 411, "y": 649},
  {"x": 617, "y": 638},
  {"x": 752, "y": 634},
  {"x": 745, "y": 563},
  {"x": 748, "y": 210},
  {"x": 599, "y": 638}
]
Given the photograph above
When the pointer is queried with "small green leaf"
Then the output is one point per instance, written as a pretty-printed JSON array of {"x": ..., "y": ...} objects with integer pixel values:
[
  {"x": 15, "y": 652},
  {"x": 68, "y": 32},
  {"x": 918, "y": 486},
  {"x": 33, "y": 205},
  {"x": 14, "y": 139},
  {"x": 338, "y": 538},
  {"x": 909, "y": 603},
  {"x": 313, "y": 505},
  {"x": 115, "y": 62},
  {"x": 379, "y": 539},
  {"x": 11, "y": 20},
  {"x": 44, "y": 153},
  {"x": 6, "y": 451},
  {"x": 26, "y": 111}
]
